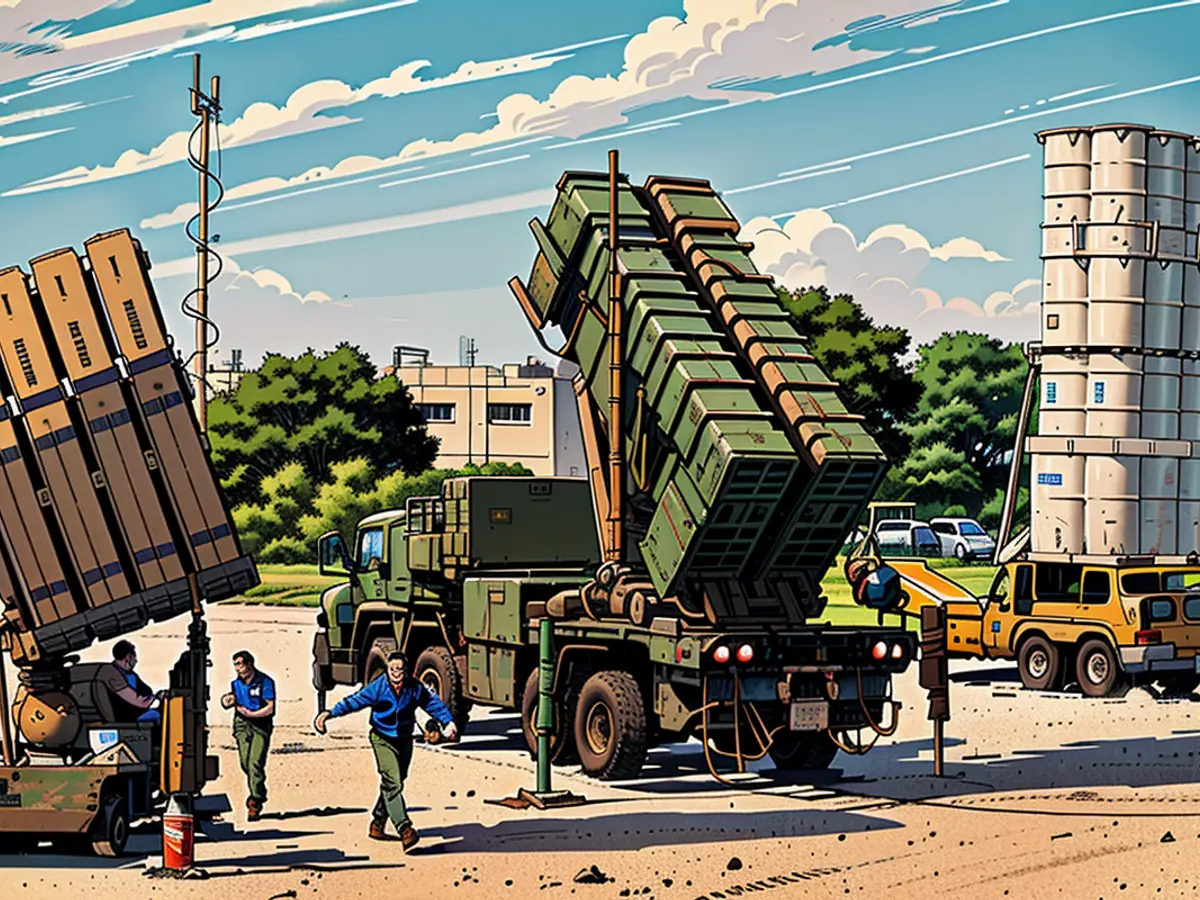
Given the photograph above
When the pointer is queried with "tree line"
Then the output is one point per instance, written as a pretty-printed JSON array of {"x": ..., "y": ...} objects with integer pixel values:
[{"x": 311, "y": 443}]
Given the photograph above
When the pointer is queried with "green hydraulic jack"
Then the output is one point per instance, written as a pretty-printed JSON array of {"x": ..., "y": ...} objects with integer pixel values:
[{"x": 545, "y": 797}]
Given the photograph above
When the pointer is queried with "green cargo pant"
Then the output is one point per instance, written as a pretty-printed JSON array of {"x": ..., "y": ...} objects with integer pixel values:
[
  {"x": 392, "y": 758},
  {"x": 254, "y": 742}
]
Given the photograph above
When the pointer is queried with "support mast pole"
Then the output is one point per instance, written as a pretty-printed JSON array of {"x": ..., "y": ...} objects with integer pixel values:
[
  {"x": 616, "y": 338},
  {"x": 203, "y": 105}
]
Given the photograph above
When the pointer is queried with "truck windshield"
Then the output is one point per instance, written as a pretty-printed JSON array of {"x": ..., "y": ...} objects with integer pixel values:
[
  {"x": 370, "y": 546},
  {"x": 971, "y": 529}
]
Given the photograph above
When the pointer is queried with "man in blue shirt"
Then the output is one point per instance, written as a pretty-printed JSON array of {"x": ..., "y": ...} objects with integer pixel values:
[
  {"x": 132, "y": 698},
  {"x": 393, "y": 699},
  {"x": 252, "y": 696}
]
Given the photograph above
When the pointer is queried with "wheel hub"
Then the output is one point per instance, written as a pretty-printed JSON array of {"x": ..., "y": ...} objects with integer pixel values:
[
  {"x": 599, "y": 728},
  {"x": 1097, "y": 668},
  {"x": 1039, "y": 663}
]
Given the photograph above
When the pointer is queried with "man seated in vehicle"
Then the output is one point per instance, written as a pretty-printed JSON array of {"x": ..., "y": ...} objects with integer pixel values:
[{"x": 132, "y": 698}]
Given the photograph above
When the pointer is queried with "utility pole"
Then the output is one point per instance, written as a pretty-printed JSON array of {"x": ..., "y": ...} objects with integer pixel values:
[{"x": 208, "y": 108}]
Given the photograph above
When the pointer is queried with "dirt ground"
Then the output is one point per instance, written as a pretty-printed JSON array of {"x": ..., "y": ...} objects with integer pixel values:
[{"x": 1045, "y": 796}]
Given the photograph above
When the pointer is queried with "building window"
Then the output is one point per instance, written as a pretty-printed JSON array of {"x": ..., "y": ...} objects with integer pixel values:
[
  {"x": 1051, "y": 392},
  {"x": 436, "y": 412},
  {"x": 510, "y": 412}
]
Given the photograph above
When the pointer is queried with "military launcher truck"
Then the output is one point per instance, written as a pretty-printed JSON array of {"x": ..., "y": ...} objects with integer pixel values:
[
  {"x": 111, "y": 517},
  {"x": 683, "y": 574}
]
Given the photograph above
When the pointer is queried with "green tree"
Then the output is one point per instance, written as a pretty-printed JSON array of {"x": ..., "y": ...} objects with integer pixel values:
[
  {"x": 963, "y": 428},
  {"x": 864, "y": 358},
  {"x": 316, "y": 411}
]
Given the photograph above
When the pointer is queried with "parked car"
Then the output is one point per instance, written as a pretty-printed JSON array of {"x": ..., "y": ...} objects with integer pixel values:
[
  {"x": 906, "y": 537},
  {"x": 965, "y": 539}
]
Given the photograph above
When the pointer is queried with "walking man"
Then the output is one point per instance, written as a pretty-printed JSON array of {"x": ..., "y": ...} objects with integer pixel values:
[
  {"x": 393, "y": 699},
  {"x": 252, "y": 696}
]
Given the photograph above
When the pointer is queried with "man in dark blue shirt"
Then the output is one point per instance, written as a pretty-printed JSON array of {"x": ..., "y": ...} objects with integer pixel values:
[
  {"x": 252, "y": 696},
  {"x": 393, "y": 699}
]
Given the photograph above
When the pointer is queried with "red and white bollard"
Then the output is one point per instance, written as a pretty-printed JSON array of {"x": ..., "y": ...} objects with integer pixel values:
[{"x": 178, "y": 833}]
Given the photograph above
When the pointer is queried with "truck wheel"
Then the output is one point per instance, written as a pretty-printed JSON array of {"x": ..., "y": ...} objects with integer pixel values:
[
  {"x": 1040, "y": 664},
  {"x": 562, "y": 742},
  {"x": 1099, "y": 671},
  {"x": 610, "y": 726},
  {"x": 110, "y": 830},
  {"x": 437, "y": 670},
  {"x": 376, "y": 662},
  {"x": 792, "y": 750}
]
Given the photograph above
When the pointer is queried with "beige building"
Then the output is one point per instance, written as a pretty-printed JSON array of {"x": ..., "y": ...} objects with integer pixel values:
[
  {"x": 224, "y": 375},
  {"x": 520, "y": 413}
]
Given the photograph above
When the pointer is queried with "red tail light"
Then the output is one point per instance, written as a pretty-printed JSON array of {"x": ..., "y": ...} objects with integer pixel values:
[
  {"x": 880, "y": 650},
  {"x": 745, "y": 653},
  {"x": 721, "y": 654},
  {"x": 1151, "y": 636}
]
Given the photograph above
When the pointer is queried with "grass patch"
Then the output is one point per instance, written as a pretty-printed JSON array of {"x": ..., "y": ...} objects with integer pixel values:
[
  {"x": 303, "y": 585},
  {"x": 281, "y": 585}
]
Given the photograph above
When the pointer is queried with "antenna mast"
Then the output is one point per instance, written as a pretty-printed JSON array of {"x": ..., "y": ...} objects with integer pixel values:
[{"x": 208, "y": 108}]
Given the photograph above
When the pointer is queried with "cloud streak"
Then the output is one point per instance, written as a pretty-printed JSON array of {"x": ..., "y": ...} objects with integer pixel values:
[
  {"x": 306, "y": 111},
  {"x": 55, "y": 57},
  {"x": 716, "y": 43},
  {"x": 328, "y": 233}
]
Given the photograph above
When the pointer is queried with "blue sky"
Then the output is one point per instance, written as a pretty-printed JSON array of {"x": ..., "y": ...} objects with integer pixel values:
[{"x": 382, "y": 157}]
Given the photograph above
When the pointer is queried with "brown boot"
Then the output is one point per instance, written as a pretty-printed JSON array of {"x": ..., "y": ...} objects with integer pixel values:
[
  {"x": 408, "y": 837},
  {"x": 376, "y": 832},
  {"x": 253, "y": 810}
]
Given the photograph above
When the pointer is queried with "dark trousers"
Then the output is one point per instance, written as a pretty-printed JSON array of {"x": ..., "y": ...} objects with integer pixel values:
[
  {"x": 254, "y": 743},
  {"x": 392, "y": 758}
]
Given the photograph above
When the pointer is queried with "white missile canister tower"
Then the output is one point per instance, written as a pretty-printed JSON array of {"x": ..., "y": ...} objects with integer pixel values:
[{"x": 1116, "y": 461}]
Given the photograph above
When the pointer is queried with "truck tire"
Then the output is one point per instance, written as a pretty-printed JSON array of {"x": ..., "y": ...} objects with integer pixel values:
[
  {"x": 437, "y": 670},
  {"x": 1040, "y": 664},
  {"x": 110, "y": 829},
  {"x": 375, "y": 663},
  {"x": 794, "y": 750},
  {"x": 562, "y": 741},
  {"x": 610, "y": 726},
  {"x": 1099, "y": 671}
]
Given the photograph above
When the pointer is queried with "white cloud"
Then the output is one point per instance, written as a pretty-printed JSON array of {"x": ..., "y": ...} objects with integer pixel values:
[
  {"x": 261, "y": 284},
  {"x": 304, "y": 111},
  {"x": 882, "y": 274},
  {"x": 715, "y": 44}
]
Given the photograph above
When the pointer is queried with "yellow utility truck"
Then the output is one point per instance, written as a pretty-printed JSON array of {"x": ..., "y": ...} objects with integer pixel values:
[{"x": 1106, "y": 623}]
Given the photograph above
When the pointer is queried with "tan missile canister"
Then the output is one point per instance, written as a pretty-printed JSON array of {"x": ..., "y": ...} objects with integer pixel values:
[
  {"x": 1161, "y": 382},
  {"x": 1064, "y": 383},
  {"x": 33, "y": 531},
  {"x": 120, "y": 271},
  {"x": 73, "y": 490},
  {"x": 1057, "y": 502},
  {"x": 1114, "y": 398},
  {"x": 90, "y": 365},
  {"x": 1189, "y": 506},
  {"x": 1159, "y": 490},
  {"x": 1113, "y": 489}
]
